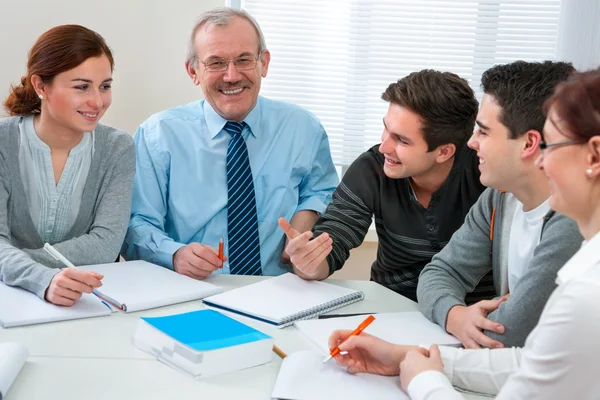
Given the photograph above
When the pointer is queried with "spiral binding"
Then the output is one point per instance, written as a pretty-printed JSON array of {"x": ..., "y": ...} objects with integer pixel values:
[{"x": 314, "y": 312}]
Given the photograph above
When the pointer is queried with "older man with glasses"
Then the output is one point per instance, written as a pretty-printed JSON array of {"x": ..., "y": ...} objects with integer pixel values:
[{"x": 227, "y": 166}]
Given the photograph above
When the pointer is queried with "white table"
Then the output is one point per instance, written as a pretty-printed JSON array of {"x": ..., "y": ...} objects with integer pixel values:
[{"x": 95, "y": 359}]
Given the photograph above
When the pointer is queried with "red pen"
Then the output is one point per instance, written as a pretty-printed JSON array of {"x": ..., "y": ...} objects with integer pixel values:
[
  {"x": 357, "y": 331},
  {"x": 221, "y": 256}
]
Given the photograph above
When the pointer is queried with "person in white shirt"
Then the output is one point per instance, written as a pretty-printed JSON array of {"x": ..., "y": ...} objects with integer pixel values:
[{"x": 559, "y": 359}]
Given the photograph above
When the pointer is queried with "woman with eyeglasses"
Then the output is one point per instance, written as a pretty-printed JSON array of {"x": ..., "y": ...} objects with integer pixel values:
[
  {"x": 65, "y": 179},
  {"x": 560, "y": 357}
]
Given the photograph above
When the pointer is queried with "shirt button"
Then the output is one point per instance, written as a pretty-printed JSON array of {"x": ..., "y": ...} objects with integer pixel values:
[{"x": 430, "y": 228}]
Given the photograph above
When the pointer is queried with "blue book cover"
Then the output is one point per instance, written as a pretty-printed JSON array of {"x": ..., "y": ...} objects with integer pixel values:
[{"x": 204, "y": 330}]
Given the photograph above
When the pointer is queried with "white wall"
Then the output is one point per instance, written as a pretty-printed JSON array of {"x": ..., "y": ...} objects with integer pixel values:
[
  {"x": 579, "y": 33},
  {"x": 147, "y": 37}
]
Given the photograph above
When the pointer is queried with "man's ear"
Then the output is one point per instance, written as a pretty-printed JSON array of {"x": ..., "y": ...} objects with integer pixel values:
[
  {"x": 445, "y": 152},
  {"x": 264, "y": 60},
  {"x": 192, "y": 72},
  {"x": 531, "y": 144},
  {"x": 593, "y": 157}
]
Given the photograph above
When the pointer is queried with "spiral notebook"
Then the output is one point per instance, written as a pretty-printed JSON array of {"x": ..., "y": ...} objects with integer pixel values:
[{"x": 284, "y": 299}]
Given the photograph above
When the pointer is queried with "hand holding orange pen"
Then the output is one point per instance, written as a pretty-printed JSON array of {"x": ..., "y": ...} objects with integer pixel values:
[{"x": 357, "y": 331}]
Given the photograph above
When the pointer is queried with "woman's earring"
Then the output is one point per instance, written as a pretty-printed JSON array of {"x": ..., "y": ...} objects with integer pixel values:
[
  {"x": 589, "y": 171},
  {"x": 41, "y": 97}
]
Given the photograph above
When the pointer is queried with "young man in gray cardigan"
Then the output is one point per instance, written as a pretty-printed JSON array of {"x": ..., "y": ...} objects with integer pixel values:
[{"x": 510, "y": 230}]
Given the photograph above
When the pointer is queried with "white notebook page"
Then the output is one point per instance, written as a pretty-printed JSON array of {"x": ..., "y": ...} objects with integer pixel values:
[
  {"x": 141, "y": 285},
  {"x": 12, "y": 359},
  {"x": 280, "y": 297},
  {"x": 304, "y": 376},
  {"x": 410, "y": 328},
  {"x": 20, "y": 307}
]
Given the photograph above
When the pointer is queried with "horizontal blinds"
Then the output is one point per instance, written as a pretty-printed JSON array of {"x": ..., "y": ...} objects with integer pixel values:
[{"x": 335, "y": 57}]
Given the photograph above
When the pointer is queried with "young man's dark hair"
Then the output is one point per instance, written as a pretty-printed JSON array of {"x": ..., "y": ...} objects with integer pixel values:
[
  {"x": 521, "y": 88},
  {"x": 445, "y": 102}
]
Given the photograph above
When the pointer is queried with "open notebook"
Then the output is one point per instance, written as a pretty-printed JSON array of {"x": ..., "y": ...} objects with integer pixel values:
[
  {"x": 409, "y": 328},
  {"x": 132, "y": 286},
  {"x": 12, "y": 358},
  {"x": 284, "y": 299},
  {"x": 304, "y": 376},
  {"x": 140, "y": 285}
]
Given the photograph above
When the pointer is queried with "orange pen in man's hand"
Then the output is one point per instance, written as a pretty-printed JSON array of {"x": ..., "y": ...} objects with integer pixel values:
[
  {"x": 357, "y": 331},
  {"x": 221, "y": 255}
]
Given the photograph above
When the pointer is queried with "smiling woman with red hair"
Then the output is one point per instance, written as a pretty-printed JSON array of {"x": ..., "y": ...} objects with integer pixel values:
[
  {"x": 65, "y": 179},
  {"x": 560, "y": 357}
]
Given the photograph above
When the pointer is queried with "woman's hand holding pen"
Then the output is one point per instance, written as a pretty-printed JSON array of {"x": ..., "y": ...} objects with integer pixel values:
[
  {"x": 197, "y": 260},
  {"x": 69, "y": 284},
  {"x": 366, "y": 353}
]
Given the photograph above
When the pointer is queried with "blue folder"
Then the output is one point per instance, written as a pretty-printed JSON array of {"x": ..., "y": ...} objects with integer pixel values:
[{"x": 206, "y": 330}]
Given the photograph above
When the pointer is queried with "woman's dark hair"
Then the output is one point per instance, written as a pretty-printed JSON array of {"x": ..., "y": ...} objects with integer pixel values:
[{"x": 60, "y": 49}]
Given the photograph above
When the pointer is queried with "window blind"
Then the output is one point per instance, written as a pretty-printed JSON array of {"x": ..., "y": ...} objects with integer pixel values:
[{"x": 336, "y": 57}]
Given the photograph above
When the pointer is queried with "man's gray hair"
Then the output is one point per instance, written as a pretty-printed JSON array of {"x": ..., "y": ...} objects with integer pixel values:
[{"x": 222, "y": 16}]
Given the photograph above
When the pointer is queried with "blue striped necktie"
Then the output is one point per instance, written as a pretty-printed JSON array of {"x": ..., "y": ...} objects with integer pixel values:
[{"x": 242, "y": 220}]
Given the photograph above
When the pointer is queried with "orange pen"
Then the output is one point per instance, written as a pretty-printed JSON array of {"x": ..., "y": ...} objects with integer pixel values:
[
  {"x": 221, "y": 256},
  {"x": 357, "y": 331}
]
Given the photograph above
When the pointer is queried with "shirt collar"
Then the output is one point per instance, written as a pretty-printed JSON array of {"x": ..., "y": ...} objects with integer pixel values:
[
  {"x": 216, "y": 123},
  {"x": 586, "y": 258}
]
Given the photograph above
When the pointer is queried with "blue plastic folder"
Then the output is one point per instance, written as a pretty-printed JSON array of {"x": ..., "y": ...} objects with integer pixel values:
[{"x": 206, "y": 330}]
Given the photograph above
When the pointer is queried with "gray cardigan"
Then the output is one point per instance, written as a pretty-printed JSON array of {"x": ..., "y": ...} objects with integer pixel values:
[
  {"x": 98, "y": 231},
  {"x": 471, "y": 253}
]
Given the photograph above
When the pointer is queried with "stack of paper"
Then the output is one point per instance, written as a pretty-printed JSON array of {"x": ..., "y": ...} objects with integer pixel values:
[
  {"x": 409, "y": 328},
  {"x": 127, "y": 286},
  {"x": 20, "y": 307},
  {"x": 12, "y": 359},
  {"x": 304, "y": 376},
  {"x": 140, "y": 285},
  {"x": 203, "y": 343}
]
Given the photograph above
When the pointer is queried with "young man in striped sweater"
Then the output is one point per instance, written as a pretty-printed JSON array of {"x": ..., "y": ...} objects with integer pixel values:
[{"x": 418, "y": 185}]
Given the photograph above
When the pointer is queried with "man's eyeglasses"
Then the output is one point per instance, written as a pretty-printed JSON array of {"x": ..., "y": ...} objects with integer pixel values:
[
  {"x": 544, "y": 145},
  {"x": 220, "y": 64}
]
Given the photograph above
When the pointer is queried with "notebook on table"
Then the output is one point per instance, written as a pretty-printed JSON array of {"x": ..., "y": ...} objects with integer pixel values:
[
  {"x": 409, "y": 328},
  {"x": 140, "y": 285},
  {"x": 304, "y": 376},
  {"x": 128, "y": 286},
  {"x": 203, "y": 343},
  {"x": 19, "y": 307},
  {"x": 284, "y": 299},
  {"x": 12, "y": 358}
]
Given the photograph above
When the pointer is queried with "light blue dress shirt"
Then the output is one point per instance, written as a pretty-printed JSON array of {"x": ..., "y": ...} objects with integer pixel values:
[{"x": 180, "y": 187}]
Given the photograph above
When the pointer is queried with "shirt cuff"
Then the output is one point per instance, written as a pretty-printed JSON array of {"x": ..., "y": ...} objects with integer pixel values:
[
  {"x": 314, "y": 203},
  {"x": 442, "y": 308},
  {"x": 164, "y": 253},
  {"x": 427, "y": 383},
  {"x": 448, "y": 356},
  {"x": 43, "y": 281}
]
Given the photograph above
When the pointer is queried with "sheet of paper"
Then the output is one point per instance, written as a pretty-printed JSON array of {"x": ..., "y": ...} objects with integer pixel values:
[
  {"x": 20, "y": 307},
  {"x": 141, "y": 285},
  {"x": 280, "y": 297},
  {"x": 304, "y": 376},
  {"x": 12, "y": 359},
  {"x": 410, "y": 328}
]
